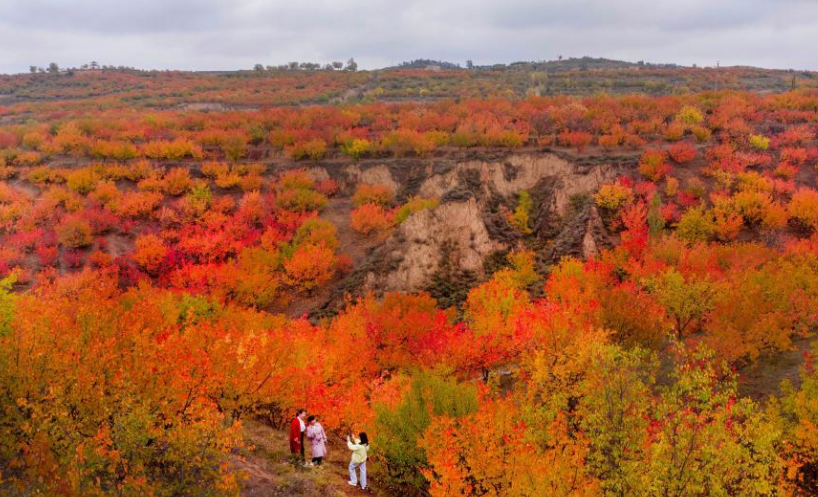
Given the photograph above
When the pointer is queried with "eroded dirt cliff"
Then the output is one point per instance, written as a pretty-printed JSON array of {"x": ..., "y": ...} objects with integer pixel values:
[{"x": 470, "y": 226}]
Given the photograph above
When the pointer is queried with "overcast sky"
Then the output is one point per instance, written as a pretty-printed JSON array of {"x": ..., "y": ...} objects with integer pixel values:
[{"x": 235, "y": 34}]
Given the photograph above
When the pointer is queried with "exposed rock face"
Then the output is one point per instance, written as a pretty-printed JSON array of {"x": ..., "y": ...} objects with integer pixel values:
[
  {"x": 468, "y": 217},
  {"x": 317, "y": 173},
  {"x": 521, "y": 172},
  {"x": 414, "y": 251},
  {"x": 583, "y": 236},
  {"x": 470, "y": 224},
  {"x": 374, "y": 175}
]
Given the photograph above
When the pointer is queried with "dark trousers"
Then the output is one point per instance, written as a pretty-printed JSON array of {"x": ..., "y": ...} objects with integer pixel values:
[
  {"x": 317, "y": 460},
  {"x": 302, "y": 445}
]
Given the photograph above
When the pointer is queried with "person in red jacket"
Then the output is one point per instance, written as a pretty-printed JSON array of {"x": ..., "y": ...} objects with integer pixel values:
[{"x": 297, "y": 428}]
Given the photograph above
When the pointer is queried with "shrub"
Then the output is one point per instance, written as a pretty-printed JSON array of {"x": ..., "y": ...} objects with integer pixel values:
[
  {"x": 73, "y": 258},
  {"x": 314, "y": 149},
  {"x": 172, "y": 150},
  {"x": 613, "y": 196},
  {"x": 401, "y": 427},
  {"x": 520, "y": 218},
  {"x": 100, "y": 259},
  {"x": 251, "y": 182},
  {"x": 759, "y": 142},
  {"x": 106, "y": 193},
  {"x": 752, "y": 205},
  {"x": 328, "y": 187},
  {"x": 696, "y": 225},
  {"x": 503, "y": 138},
  {"x": 316, "y": 231},
  {"x": 404, "y": 141},
  {"x": 701, "y": 133},
  {"x": 793, "y": 155},
  {"x": 776, "y": 217},
  {"x": 369, "y": 218},
  {"x": 803, "y": 208},
  {"x": 674, "y": 132},
  {"x": 414, "y": 204},
  {"x": 357, "y": 148},
  {"x": 301, "y": 200},
  {"x": 689, "y": 115},
  {"x": 610, "y": 141},
  {"x": 177, "y": 181},
  {"x": 695, "y": 187},
  {"x": 47, "y": 254},
  {"x": 785, "y": 171},
  {"x": 138, "y": 204},
  {"x": 296, "y": 179},
  {"x": 671, "y": 186},
  {"x": 234, "y": 146},
  {"x": 253, "y": 207},
  {"x": 310, "y": 266},
  {"x": 576, "y": 139},
  {"x": 681, "y": 152},
  {"x": 214, "y": 169},
  {"x": 149, "y": 253},
  {"x": 199, "y": 198},
  {"x": 100, "y": 220},
  {"x": 74, "y": 232},
  {"x": 228, "y": 180},
  {"x": 372, "y": 194},
  {"x": 727, "y": 224},
  {"x": 33, "y": 140},
  {"x": 140, "y": 170},
  {"x": 82, "y": 180},
  {"x": 652, "y": 165},
  {"x": 633, "y": 141}
]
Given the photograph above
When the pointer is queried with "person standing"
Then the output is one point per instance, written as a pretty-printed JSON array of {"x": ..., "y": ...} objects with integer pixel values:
[
  {"x": 359, "y": 448},
  {"x": 297, "y": 429},
  {"x": 318, "y": 440}
]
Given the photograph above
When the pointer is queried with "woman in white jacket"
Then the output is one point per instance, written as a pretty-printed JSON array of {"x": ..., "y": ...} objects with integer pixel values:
[{"x": 359, "y": 448}]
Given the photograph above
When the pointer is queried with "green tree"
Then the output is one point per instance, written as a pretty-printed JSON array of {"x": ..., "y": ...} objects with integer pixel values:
[
  {"x": 520, "y": 219},
  {"x": 401, "y": 428},
  {"x": 614, "y": 413},
  {"x": 7, "y": 300},
  {"x": 685, "y": 301},
  {"x": 656, "y": 221},
  {"x": 706, "y": 440},
  {"x": 696, "y": 225}
]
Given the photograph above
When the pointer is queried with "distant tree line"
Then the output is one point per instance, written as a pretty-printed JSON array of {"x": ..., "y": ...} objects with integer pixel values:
[
  {"x": 350, "y": 65},
  {"x": 426, "y": 63},
  {"x": 54, "y": 68}
]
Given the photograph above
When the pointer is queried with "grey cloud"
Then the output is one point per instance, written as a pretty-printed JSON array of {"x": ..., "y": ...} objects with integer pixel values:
[
  {"x": 113, "y": 17},
  {"x": 233, "y": 34}
]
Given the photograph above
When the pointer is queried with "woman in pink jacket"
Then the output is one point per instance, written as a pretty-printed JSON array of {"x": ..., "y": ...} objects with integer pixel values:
[{"x": 318, "y": 440}]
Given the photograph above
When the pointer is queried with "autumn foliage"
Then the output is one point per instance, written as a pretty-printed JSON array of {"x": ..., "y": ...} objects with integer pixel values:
[{"x": 150, "y": 261}]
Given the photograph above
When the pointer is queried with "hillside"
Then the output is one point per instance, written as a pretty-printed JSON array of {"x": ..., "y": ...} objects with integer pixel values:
[
  {"x": 420, "y": 80},
  {"x": 488, "y": 270}
]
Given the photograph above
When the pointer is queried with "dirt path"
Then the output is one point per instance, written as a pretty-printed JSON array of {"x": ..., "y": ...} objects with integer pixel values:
[
  {"x": 764, "y": 378},
  {"x": 268, "y": 472}
]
